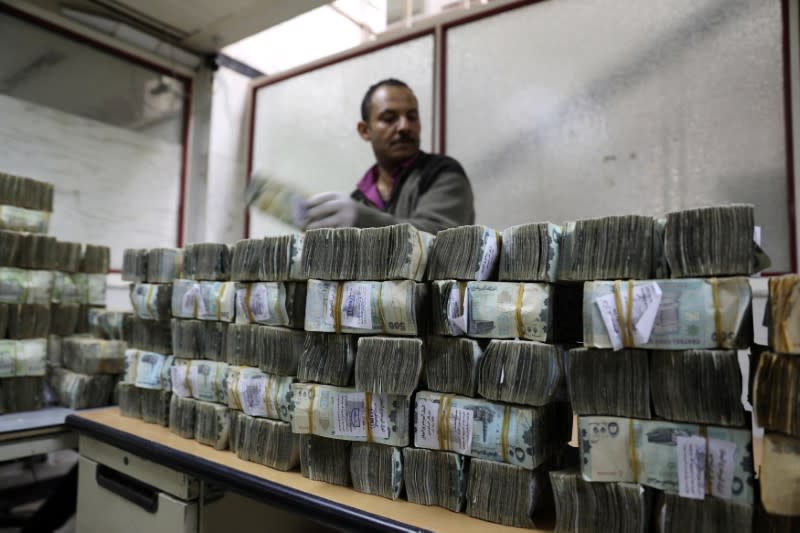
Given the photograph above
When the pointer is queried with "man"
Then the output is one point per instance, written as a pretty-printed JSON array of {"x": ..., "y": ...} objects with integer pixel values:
[{"x": 429, "y": 191}]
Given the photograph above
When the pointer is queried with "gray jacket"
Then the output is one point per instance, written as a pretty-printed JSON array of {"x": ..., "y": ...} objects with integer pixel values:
[{"x": 432, "y": 194}]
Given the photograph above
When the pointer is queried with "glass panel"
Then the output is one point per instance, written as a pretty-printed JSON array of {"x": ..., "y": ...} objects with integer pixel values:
[{"x": 563, "y": 110}]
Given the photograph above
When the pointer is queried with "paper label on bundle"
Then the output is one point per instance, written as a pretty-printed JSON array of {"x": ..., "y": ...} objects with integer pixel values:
[
  {"x": 488, "y": 256},
  {"x": 178, "y": 377},
  {"x": 456, "y": 313},
  {"x": 721, "y": 463},
  {"x": 259, "y": 303},
  {"x": 8, "y": 355},
  {"x": 357, "y": 306},
  {"x": 459, "y": 428},
  {"x": 188, "y": 300},
  {"x": 646, "y": 300},
  {"x": 350, "y": 416},
  {"x": 252, "y": 391},
  {"x": 691, "y": 467}
]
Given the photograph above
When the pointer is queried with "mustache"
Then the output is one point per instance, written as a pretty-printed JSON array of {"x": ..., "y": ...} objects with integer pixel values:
[{"x": 404, "y": 138}]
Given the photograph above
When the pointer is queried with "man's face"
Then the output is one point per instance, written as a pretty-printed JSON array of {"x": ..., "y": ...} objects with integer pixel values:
[{"x": 393, "y": 127}]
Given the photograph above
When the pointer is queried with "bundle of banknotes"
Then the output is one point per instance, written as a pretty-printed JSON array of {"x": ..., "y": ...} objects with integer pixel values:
[
  {"x": 25, "y": 321},
  {"x": 365, "y": 307},
  {"x": 20, "y": 286},
  {"x": 200, "y": 379},
  {"x": 182, "y": 416},
  {"x": 451, "y": 365},
  {"x": 780, "y": 474},
  {"x": 328, "y": 359},
  {"x": 30, "y": 250},
  {"x": 271, "y": 303},
  {"x": 207, "y": 261},
  {"x": 199, "y": 339},
  {"x": 323, "y": 459},
  {"x": 106, "y": 324},
  {"x": 504, "y": 310},
  {"x": 129, "y": 399},
  {"x": 435, "y": 478},
  {"x": 377, "y": 254},
  {"x": 164, "y": 264},
  {"x": 599, "y": 507},
  {"x": 605, "y": 382},
  {"x": 614, "y": 247},
  {"x": 68, "y": 256},
  {"x": 377, "y": 469},
  {"x": 507, "y": 494},
  {"x": 522, "y": 372},
  {"x": 784, "y": 314},
  {"x": 81, "y": 391},
  {"x": 21, "y": 394},
  {"x": 347, "y": 414},
  {"x": 134, "y": 265},
  {"x": 765, "y": 522},
  {"x": 264, "y": 441},
  {"x": 20, "y": 358},
  {"x": 25, "y": 192},
  {"x": 276, "y": 258},
  {"x": 212, "y": 424},
  {"x": 86, "y": 355},
  {"x": 668, "y": 314},
  {"x": 674, "y": 514},
  {"x": 388, "y": 365},
  {"x": 151, "y": 301},
  {"x": 91, "y": 288},
  {"x": 155, "y": 405},
  {"x": 259, "y": 394},
  {"x": 204, "y": 300},
  {"x": 710, "y": 241},
  {"x": 64, "y": 319},
  {"x": 277, "y": 198},
  {"x": 96, "y": 259},
  {"x": 150, "y": 335},
  {"x": 465, "y": 253},
  {"x": 530, "y": 252},
  {"x": 670, "y": 456},
  {"x": 273, "y": 350},
  {"x": 521, "y": 436},
  {"x": 775, "y": 391},
  {"x": 148, "y": 370}
]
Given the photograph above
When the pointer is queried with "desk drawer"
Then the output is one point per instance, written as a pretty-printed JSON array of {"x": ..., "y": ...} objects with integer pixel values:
[
  {"x": 162, "y": 477},
  {"x": 111, "y": 501}
]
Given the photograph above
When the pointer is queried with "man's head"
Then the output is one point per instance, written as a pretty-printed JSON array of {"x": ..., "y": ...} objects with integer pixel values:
[{"x": 390, "y": 121}]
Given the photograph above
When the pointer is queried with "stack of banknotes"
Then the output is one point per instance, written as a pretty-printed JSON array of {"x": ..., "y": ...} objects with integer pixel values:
[
  {"x": 465, "y": 253},
  {"x": 271, "y": 303},
  {"x": 678, "y": 515},
  {"x": 207, "y": 261},
  {"x": 530, "y": 252},
  {"x": 435, "y": 478},
  {"x": 388, "y": 365},
  {"x": 272, "y": 349},
  {"x": 777, "y": 401},
  {"x": 199, "y": 339},
  {"x": 328, "y": 359},
  {"x": 264, "y": 441},
  {"x": 323, "y": 459},
  {"x": 25, "y": 204},
  {"x": 451, "y": 364},
  {"x": 276, "y": 258},
  {"x": 377, "y": 469}
]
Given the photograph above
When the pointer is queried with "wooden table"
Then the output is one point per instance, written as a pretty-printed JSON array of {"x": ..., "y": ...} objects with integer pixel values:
[{"x": 331, "y": 505}]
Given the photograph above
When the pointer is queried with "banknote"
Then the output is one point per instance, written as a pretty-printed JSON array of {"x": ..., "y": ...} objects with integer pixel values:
[
  {"x": 271, "y": 303},
  {"x": 21, "y": 286},
  {"x": 200, "y": 379},
  {"x": 686, "y": 316},
  {"x": 23, "y": 358},
  {"x": 21, "y": 219},
  {"x": 153, "y": 371},
  {"x": 669, "y": 456},
  {"x": 521, "y": 436},
  {"x": 391, "y": 307},
  {"x": 346, "y": 414},
  {"x": 204, "y": 300},
  {"x": 258, "y": 393}
]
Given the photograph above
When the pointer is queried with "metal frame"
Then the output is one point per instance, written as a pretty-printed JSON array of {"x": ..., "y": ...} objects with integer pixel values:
[{"x": 99, "y": 42}]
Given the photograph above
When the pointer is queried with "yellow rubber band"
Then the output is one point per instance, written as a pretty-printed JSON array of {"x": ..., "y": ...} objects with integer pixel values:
[
  {"x": 267, "y": 394},
  {"x": 618, "y": 301},
  {"x": 421, "y": 253},
  {"x": 518, "y": 311},
  {"x": 717, "y": 311},
  {"x": 220, "y": 295},
  {"x": 504, "y": 453},
  {"x": 380, "y": 307},
  {"x": 247, "y": 295},
  {"x": 368, "y": 414},
  {"x": 442, "y": 422},
  {"x": 337, "y": 307},
  {"x": 148, "y": 301},
  {"x": 313, "y": 395},
  {"x": 632, "y": 449}
]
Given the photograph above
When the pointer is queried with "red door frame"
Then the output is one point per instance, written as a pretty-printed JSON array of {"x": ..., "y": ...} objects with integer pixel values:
[{"x": 104, "y": 47}]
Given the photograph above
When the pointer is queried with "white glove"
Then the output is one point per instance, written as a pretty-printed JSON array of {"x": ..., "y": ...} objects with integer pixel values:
[{"x": 331, "y": 210}]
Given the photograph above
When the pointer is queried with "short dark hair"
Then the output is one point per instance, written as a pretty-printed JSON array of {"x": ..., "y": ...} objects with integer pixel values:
[{"x": 367, "y": 101}]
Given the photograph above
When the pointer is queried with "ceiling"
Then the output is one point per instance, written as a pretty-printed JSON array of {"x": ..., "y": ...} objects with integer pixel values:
[{"x": 201, "y": 26}]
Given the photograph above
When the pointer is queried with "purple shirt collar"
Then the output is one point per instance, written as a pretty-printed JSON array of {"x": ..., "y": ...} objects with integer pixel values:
[{"x": 369, "y": 183}]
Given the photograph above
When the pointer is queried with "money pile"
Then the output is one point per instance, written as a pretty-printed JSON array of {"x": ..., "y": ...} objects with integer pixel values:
[
  {"x": 203, "y": 300},
  {"x": 87, "y": 355},
  {"x": 276, "y": 258},
  {"x": 164, "y": 264},
  {"x": 81, "y": 391},
  {"x": 267, "y": 442},
  {"x": 775, "y": 393},
  {"x": 451, "y": 365},
  {"x": 207, "y": 262},
  {"x": 600, "y": 507},
  {"x": 465, "y": 253},
  {"x": 259, "y": 394},
  {"x": 325, "y": 460},
  {"x": 151, "y": 301},
  {"x": 377, "y": 469},
  {"x": 614, "y": 247},
  {"x": 710, "y": 241},
  {"x": 388, "y": 365},
  {"x": 273, "y": 303},
  {"x": 530, "y": 252},
  {"x": 435, "y": 478},
  {"x": 134, "y": 264},
  {"x": 271, "y": 349},
  {"x": 25, "y": 204},
  {"x": 328, "y": 359},
  {"x": 212, "y": 424},
  {"x": 199, "y": 339},
  {"x": 522, "y": 372}
]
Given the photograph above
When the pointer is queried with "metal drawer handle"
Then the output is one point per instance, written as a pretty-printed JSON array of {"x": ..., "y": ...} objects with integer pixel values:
[{"x": 127, "y": 487}]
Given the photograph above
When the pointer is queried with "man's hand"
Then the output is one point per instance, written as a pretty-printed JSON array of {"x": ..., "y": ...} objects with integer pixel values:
[{"x": 331, "y": 210}]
